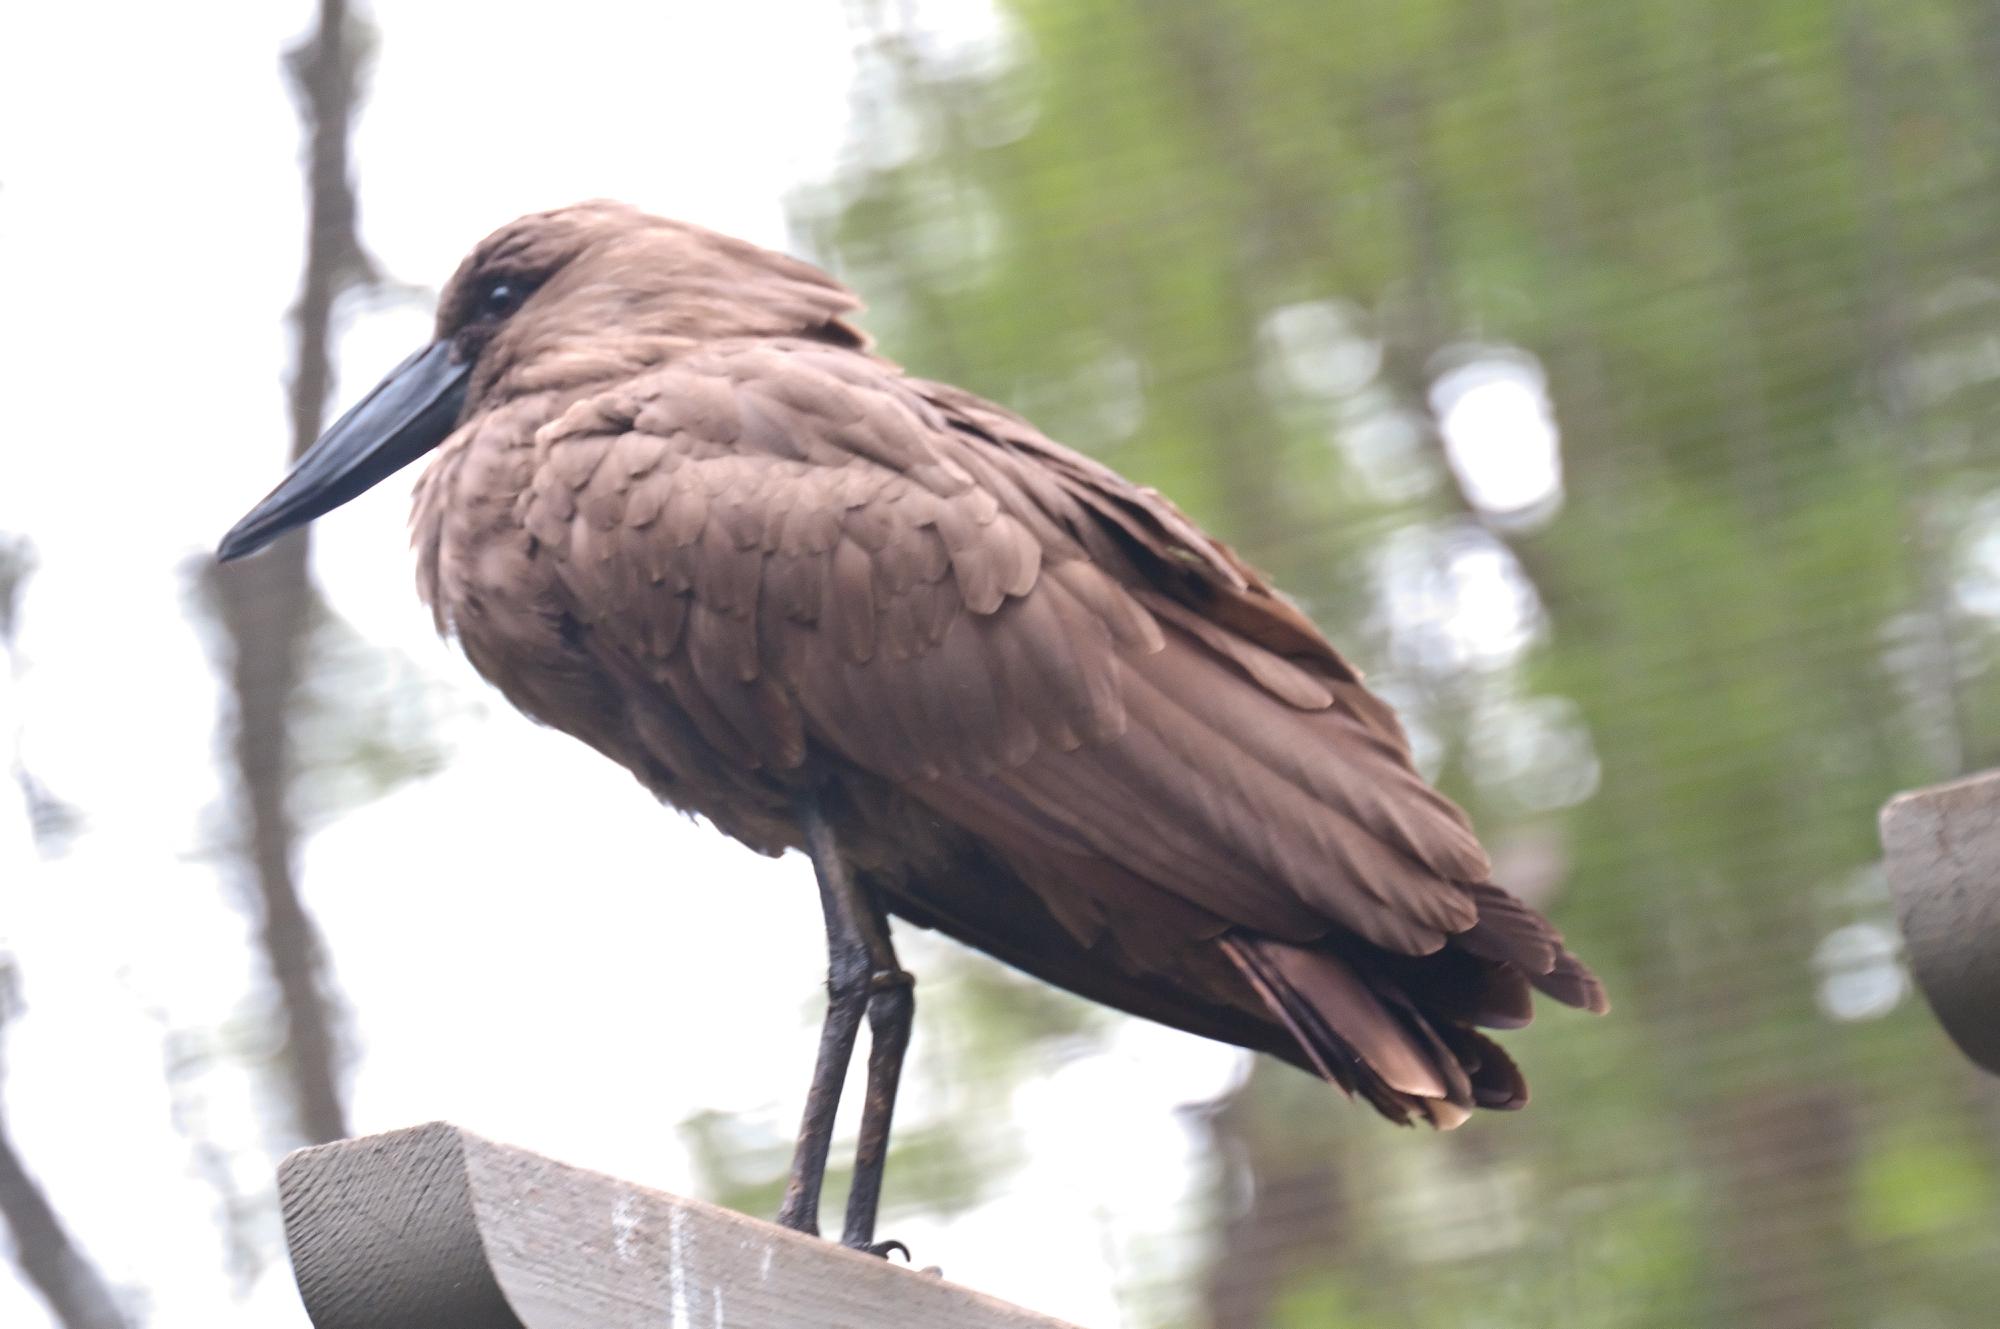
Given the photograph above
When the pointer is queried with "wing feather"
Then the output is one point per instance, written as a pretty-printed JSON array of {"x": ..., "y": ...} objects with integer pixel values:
[{"x": 813, "y": 554}]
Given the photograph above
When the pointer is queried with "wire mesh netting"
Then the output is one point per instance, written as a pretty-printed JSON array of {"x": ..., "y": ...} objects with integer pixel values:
[
  {"x": 1616, "y": 382},
  {"x": 1613, "y": 383}
]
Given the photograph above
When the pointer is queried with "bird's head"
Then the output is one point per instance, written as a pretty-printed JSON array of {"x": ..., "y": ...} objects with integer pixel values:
[{"x": 556, "y": 301}]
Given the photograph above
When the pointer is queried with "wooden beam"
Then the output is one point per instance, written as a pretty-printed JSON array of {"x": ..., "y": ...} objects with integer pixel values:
[
  {"x": 1941, "y": 849},
  {"x": 436, "y": 1228}
]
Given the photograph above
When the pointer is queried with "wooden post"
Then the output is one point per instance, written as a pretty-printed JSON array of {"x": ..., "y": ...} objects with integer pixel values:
[
  {"x": 435, "y": 1228},
  {"x": 1941, "y": 848}
]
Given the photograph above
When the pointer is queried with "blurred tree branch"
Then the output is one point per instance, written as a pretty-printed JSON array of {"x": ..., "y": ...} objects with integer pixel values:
[
  {"x": 267, "y": 604},
  {"x": 74, "y": 1289}
]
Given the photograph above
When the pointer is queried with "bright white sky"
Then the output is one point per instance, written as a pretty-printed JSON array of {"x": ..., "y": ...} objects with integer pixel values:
[{"x": 529, "y": 946}]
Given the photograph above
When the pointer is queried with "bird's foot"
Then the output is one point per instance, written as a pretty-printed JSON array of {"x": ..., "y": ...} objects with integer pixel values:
[{"x": 788, "y": 1217}]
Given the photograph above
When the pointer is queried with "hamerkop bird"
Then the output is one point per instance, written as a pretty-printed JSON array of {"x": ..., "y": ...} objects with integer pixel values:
[{"x": 680, "y": 511}]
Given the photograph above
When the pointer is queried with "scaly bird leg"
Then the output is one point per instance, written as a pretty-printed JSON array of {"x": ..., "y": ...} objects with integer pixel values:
[
  {"x": 891, "y": 1008},
  {"x": 846, "y": 999},
  {"x": 861, "y": 975}
]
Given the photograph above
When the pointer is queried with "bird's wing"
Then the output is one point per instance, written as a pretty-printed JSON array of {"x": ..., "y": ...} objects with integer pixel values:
[{"x": 808, "y": 549}]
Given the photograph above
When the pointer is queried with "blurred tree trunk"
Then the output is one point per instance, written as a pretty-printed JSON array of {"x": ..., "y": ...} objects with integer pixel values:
[
  {"x": 267, "y": 604},
  {"x": 1293, "y": 1220}
]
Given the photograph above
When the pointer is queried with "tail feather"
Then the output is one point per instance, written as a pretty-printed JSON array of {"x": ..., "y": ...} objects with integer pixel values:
[
  {"x": 1510, "y": 932},
  {"x": 1389, "y": 1057},
  {"x": 1462, "y": 987},
  {"x": 1572, "y": 984},
  {"x": 1496, "y": 1081},
  {"x": 1398, "y": 1030}
]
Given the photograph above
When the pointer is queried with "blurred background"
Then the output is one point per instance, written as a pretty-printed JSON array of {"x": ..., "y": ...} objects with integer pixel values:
[{"x": 1615, "y": 383}]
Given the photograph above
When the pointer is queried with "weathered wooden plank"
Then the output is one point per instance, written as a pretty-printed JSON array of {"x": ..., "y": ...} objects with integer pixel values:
[
  {"x": 436, "y": 1228},
  {"x": 1942, "y": 851}
]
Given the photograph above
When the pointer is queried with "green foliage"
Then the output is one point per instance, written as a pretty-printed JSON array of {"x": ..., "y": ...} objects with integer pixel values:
[{"x": 1754, "y": 250}]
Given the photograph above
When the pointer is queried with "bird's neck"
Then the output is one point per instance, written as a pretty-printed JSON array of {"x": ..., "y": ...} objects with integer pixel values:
[{"x": 561, "y": 373}]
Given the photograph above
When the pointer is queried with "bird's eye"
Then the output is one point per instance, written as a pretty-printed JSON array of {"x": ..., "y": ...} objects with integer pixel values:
[{"x": 500, "y": 298}]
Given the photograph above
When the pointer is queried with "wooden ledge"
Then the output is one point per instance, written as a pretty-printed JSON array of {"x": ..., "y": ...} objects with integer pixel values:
[
  {"x": 436, "y": 1228},
  {"x": 1941, "y": 849}
]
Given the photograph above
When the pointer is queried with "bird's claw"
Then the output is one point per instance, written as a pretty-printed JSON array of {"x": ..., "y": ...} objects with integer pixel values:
[{"x": 882, "y": 1248}]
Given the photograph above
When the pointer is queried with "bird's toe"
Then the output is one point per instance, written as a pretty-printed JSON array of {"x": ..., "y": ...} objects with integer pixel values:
[{"x": 882, "y": 1248}]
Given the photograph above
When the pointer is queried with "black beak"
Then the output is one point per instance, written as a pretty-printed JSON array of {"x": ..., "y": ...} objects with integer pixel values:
[{"x": 409, "y": 413}]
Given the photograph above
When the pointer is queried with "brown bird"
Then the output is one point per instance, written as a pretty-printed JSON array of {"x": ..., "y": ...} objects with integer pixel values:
[{"x": 681, "y": 511}]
